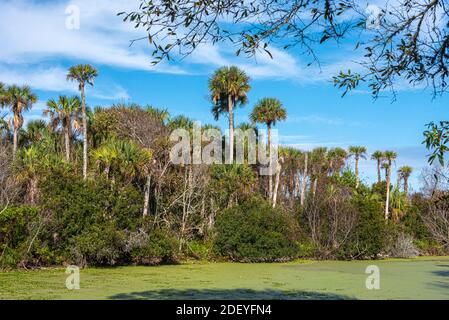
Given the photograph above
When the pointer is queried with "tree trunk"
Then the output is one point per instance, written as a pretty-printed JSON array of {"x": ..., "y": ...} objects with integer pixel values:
[
  {"x": 15, "y": 139},
  {"x": 357, "y": 181},
  {"x": 231, "y": 128},
  {"x": 296, "y": 185},
  {"x": 270, "y": 173},
  {"x": 33, "y": 190},
  {"x": 406, "y": 186},
  {"x": 67, "y": 144},
  {"x": 387, "y": 201},
  {"x": 146, "y": 201},
  {"x": 84, "y": 114},
  {"x": 304, "y": 180},
  {"x": 315, "y": 184},
  {"x": 276, "y": 186},
  {"x": 379, "y": 177},
  {"x": 107, "y": 168}
]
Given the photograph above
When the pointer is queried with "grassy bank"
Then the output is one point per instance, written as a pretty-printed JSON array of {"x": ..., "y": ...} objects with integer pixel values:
[{"x": 423, "y": 278}]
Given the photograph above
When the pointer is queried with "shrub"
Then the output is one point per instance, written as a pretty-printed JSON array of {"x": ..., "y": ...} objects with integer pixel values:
[
  {"x": 369, "y": 238},
  {"x": 151, "y": 248},
  {"x": 16, "y": 225},
  {"x": 99, "y": 245},
  {"x": 403, "y": 247},
  {"x": 254, "y": 232},
  {"x": 200, "y": 250}
]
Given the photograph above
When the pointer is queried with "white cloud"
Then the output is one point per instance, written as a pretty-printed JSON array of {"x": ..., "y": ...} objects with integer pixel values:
[
  {"x": 54, "y": 79},
  {"x": 35, "y": 32},
  {"x": 102, "y": 37},
  {"x": 49, "y": 79}
]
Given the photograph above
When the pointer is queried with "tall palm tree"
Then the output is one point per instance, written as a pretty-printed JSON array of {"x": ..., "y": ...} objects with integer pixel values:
[
  {"x": 358, "y": 152},
  {"x": 269, "y": 111},
  {"x": 83, "y": 74},
  {"x": 19, "y": 99},
  {"x": 390, "y": 156},
  {"x": 64, "y": 112},
  {"x": 379, "y": 157},
  {"x": 405, "y": 173},
  {"x": 228, "y": 87}
]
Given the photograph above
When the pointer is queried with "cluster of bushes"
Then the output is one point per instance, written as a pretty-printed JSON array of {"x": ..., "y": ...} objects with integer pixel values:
[
  {"x": 82, "y": 223},
  {"x": 94, "y": 224},
  {"x": 255, "y": 232}
]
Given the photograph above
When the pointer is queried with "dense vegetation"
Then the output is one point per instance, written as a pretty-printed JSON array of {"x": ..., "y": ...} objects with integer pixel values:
[{"x": 97, "y": 187}]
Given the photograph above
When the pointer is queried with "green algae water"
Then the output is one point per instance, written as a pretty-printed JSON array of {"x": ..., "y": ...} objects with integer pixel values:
[{"x": 422, "y": 278}]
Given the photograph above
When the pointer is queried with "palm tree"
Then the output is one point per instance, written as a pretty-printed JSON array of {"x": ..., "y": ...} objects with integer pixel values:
[
  {"x": 318, "y": 165},
  {"x": 337, "y": 158},
  {"x": 83, "y": 73},
  {"x": 2, "y": 93},
  {"x": 358, "y": 152},
  {"x": 269, "y": 111},
  {"x": 29, "y": 165},
  {"x": 36, "y": 129},
  {"x": 404, "y": 174},
  {"x": 4, "y": 128},
  {"x": 156, "y": 113},
  {"x": 390, "y": 156},
  {"x": 229, "y": 87},
  {"x": 19, "y": 99},
  {"x": 64, "y": 112},
  {"x": 379, "y": 157}
]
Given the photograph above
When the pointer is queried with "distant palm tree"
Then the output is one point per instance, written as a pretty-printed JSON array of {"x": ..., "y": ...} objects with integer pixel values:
[
  {"x": 36, "y": 130},
  {"x": 30, "y": 163},
  {"x": 161, "y": 114},
  {"x": 405, "y": 173},
  {"x": 19, "y": 99},
  {"x": 358, "y": 152},
  {"x": 379, "y": 157},
  {"x": 269, "y": 111},
  {"x": 390, "y": 156},
  {"x": 83, "y": 74},
  {"x": 337, "y": 158},
  {"x": 318, "y": 165},
  {"x": 4, "y": 127},
  {"x": 229, "y": 87},
  {"x": 65, "y": 112},
  {"x": 2, "y": 93}
]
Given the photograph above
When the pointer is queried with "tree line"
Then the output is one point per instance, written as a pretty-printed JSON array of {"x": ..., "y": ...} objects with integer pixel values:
[{"x": 97, "y": 187}]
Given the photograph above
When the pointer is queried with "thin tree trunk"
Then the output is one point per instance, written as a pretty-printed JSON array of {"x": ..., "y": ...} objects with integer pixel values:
[
  {"x": 357, "y": 181},
  {"x": 15, "y": 139},
  {"x": 231, "y": 128},
  {"x": 379, "y": 177},
  {"x": 33, "y": 190},
  {"x": 296, "y": 184},
  {"x": 304, "y": 180},
  {"x": 67, "y": 144},
  {"x": 406, "y": 186},
  {"x": 84, "y": 114},
  {"x": 107, "y": 168},
  {"x": 146, "y": 201},
  {"x": 276, "y": 186},
  {"x": 315, "y": 184},
  {"x": 387, "y": 201},
  {"x": 270, "y": 173}
]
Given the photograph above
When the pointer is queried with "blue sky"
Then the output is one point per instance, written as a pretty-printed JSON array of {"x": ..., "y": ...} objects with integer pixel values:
[{"x": 38, "y": 50}]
